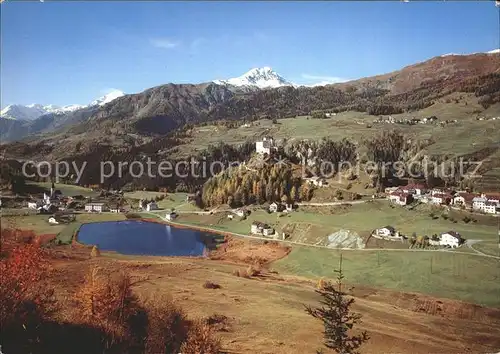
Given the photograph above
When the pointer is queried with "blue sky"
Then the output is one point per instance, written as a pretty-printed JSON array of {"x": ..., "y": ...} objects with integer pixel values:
[{"x": 73, "y": 52}]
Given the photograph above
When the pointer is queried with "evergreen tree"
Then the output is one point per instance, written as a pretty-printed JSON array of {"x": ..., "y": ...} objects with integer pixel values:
[{"x": 337, "y": 317}]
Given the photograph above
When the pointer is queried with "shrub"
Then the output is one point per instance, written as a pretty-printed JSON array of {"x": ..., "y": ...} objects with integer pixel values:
[
  {"x": 107, "y": 302},
  {"x": 218, "y": 322},
  {"x": 95, "y": 252},
  {"x": 25, "y": 301},
  {"x": 210, "y": 285},
  {"x": 321, "y": 284},
  {"x": 201, "y": 340},
  {"x": 168, "y": 326}
]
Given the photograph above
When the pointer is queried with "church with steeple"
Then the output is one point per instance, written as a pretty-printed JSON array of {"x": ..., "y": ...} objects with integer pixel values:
[{"x": 53, "y": 197}]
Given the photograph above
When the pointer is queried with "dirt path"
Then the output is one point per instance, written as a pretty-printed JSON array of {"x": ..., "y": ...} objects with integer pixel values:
[
  {"x": 470, "y": 244},
  {"x": 335, "y": 203}
]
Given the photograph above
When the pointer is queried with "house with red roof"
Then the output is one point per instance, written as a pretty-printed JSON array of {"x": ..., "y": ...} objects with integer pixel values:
[
  {"x": 400, "y": 198},
  {"x": 441, "y": 198},
  {"x": 463, "y": 199},
  {"x": 415, "y": 188}
]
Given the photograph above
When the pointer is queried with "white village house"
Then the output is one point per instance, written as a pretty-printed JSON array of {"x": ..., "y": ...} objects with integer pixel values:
[
  {"x": 265, "y": 146},
  {"x": 463, "y": 199},
  {"x": 33, "y": 205},
  {"x": 240, "y": 212},
  {"x": 478, "y": 203},
  {"x": 260, "y": 228},
  {"x": 400, "y": 198},
  {"x": 316, "y": 181},
  {"x": 414, "y": 189},
  {"x": 96, "y": 207},
  {"x": 441, "y": 198},
  {"x": 450, "y": 238},
  {"x": 151, "y": 206},
  {"x": 53, "y": 220},
  {"x": 171, "y": 216},
  {"x": 491, "y": 207},
  {"x": 275, "y": 207},
  {"x": 386, "y": 231},
  {"x": 486, "y": 204}
]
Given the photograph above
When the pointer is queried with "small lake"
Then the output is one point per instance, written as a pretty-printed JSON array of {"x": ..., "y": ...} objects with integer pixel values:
[{"x": 134, "y": 237}]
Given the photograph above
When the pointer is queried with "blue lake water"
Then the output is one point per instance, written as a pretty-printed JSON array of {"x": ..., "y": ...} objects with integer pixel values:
[{"x": 134, "y": 237}]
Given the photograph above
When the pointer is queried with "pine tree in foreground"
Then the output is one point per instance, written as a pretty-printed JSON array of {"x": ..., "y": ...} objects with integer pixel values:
[{"x": 337, "y": 318}]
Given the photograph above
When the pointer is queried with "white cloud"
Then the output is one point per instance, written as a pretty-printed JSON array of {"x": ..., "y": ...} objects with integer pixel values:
[
  {"x": 164, "y": 43},
  {"x": 319, "y": 80}
]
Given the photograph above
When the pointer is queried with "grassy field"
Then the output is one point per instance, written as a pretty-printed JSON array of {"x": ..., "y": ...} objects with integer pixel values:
[
  {"x": 172, "y": 200},
  {"x": 451, "y": 139},
  {"x": 66, "y": 189},
  {"x": 444, "y": 274},
  {"x": 361, "y": 218},
  {"x": 491, "y": 248},
  {"x": 266, "y": 314}
]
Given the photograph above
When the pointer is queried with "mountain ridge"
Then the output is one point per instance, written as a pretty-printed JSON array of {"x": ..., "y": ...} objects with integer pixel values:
[
  {"x": 35, "y": 110},
  {"x": 162, "y": 109}
]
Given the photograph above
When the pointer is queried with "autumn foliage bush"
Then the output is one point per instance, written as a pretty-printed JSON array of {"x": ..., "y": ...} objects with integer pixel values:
[
  {"x": 201, "y": 340},
  {"x": 168, "y": 325},
  {"x": 108, "y": 317},
  {"x": 155, "y": 325},
  {"x": 211, "y": 285},
  {"x": 95, "y": 252},
  {"x": 25, "y": 300},
  {"x": 107, "y": 302}
]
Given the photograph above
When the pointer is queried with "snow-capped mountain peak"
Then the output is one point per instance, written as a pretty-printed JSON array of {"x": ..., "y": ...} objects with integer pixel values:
[
  {"x": 17, "y": 111},
  {"x": 35, "y": 110},
  {"x": 494, "y": 51},
  {"x": 264, "y": 77},
  {"x": 110, "y": 96}
]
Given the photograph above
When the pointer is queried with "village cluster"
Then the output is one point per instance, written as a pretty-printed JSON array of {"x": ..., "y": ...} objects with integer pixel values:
[
  {"x": 55, "y": 200},
  {"x": 477, "y": 202},
  {"x": 413, "y": 121},
  {"x": 60, "y": 205},
  {"x": 446, "y": 239}
]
